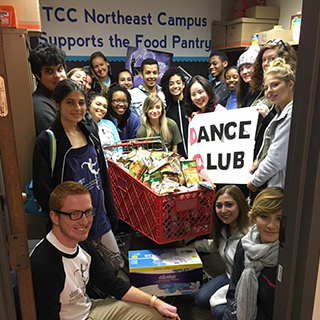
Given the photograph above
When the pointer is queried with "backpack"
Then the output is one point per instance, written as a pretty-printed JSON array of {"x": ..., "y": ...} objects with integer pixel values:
[{"x": 31, "y": 205}]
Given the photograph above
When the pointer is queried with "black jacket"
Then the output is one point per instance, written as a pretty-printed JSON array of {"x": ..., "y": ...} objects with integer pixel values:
[
  {"x": 177, "y": 111},
  {"x": 262, "y": 124},
  {"x": 222, "y": 92},
  {"x": 267, "y": 280},
  {"x": 44, "y": 181},
  {"x": 43, "y": 108}
]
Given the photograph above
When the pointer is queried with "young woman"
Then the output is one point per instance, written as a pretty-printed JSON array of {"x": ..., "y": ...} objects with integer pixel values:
[
  {"x": 173, "y": 84},
  {"x": 200, "y": 97},
  {"x": 108, "y": 133},
  {"x": 270, "y": 165},
  {"x": 230, "y": 224},
  {"x": 125, "y": 79},
  {"x": 79, "y": 75},
  {"x": 244, "y": 65},
  {"x": 232, "y": 79},
  {"x": 101, "y": 73},
  {"x": 126, "y": 122},
  {"x": 155, "y": 124},
  {"x": 256, "y": 97},
  {"x": 78, "y": 158},
  {"x": 253, "y": 280}
]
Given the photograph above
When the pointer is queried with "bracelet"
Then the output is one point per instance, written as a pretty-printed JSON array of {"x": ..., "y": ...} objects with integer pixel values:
[{"x": 152, "y": 301}]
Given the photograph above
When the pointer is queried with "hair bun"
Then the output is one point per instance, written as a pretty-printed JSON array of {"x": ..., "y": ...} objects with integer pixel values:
[{"x": 279, "y": 62}]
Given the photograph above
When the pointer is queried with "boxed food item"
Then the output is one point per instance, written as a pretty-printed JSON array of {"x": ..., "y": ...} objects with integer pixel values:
[
  {"x": 275, "y": 33},
  {"x": 28, "y": 13},
  {"x": 218, "y": 35},
  {"x": 263, "y": 12},
  {"x": 8, "y": 17},
  {"x": 239, "y": 31},
  {"x": 166, "y": 272}
]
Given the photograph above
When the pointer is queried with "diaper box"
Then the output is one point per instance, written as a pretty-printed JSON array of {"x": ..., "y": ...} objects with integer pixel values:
[{"x": 166, "y": 272}]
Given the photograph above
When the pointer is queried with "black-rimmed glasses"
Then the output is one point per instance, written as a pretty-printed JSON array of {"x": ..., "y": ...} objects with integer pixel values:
[
  {"x": 77, "y": 215},
  {"x": 279, "y": 41}
]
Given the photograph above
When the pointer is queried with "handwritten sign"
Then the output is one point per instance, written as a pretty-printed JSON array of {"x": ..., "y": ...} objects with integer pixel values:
[{"x": 222, "y": 143}]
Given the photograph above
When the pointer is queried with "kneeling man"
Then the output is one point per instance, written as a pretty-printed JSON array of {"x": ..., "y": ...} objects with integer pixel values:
[{"x": 64, "y": 263}]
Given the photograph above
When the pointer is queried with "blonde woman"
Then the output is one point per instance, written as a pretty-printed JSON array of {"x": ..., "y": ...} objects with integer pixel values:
[
  {"x": 253, "y": 280},
  {"x": 154, "y": 123},
  {"x": 270, "y": 166},
  {"x": 79, "y": 75}
]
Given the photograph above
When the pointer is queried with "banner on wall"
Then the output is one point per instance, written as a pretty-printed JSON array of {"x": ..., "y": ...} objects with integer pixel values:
[
  {"x": 222, "y": 144},
  {"x": 82, "y": 27}
]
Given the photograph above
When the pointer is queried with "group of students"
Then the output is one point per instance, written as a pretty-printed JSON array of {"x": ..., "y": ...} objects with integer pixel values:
[{"x": 87, "y": 119}]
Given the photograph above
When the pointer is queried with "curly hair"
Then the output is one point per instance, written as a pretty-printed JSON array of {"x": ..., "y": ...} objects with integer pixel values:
[
  {"x": 91, "y": 96},
  {"x": 280, "y": 69},
  {"x": 242, "y": 221},
  {"x": 190, "y": 106},
  {"x": 46, "y": 54},
  {"x": 284, "y": 51},
  {"x": 165, "y": 82}
]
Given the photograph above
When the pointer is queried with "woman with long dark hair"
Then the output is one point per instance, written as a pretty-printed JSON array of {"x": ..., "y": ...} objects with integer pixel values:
[
  {"x": 200, "y": 97},
  {"x": 230, "y": 224},
  {"x": 79, "y": 157},
  {"x": 173, "y": 85}
]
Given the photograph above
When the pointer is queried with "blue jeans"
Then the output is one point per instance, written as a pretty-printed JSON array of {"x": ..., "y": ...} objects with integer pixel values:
[{"x": 203, "y": 296}]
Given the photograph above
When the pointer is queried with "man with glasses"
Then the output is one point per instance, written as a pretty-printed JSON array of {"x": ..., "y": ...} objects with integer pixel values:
[
  {"x": 63, "y": 264},
  {"x": 150, "y": 75}
]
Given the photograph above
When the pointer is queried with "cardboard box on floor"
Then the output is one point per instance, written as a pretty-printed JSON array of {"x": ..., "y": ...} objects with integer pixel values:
[
  {"x": 218, "y": 35},
  {"x": 265, "y": 36},
  {"x": 266, "y": 12},
  {"x": 240, "y": 31},
  {"x": 166, "y": 272}
]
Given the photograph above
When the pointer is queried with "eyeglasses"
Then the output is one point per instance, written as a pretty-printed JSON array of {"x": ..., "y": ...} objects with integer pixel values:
[
  {"x": 279, "y": 41},
  {"x": 77, "y": 215},
  {"x": 119, "y": 101}
]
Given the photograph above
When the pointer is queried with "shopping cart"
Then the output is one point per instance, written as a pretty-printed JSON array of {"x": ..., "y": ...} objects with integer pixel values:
[{"x": 162, "y": 218}]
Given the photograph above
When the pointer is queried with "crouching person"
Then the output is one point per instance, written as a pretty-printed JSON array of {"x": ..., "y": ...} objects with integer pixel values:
[
  {"x": 252, "y": 284},
  {"x": 63, "y": 264}
]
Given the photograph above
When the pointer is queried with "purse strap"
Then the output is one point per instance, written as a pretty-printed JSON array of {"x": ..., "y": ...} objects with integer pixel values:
[{"x": 53, "y": 149}]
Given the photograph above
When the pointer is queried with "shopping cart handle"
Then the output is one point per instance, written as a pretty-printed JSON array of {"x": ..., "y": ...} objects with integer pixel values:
[{"x": 133, "y": 143}]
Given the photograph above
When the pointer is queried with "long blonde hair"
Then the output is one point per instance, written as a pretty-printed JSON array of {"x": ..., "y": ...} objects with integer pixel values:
[{"x": 149, "y": 102}]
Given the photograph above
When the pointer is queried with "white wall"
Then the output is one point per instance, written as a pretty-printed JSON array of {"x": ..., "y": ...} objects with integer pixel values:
[{"x": 287, "y": 9}]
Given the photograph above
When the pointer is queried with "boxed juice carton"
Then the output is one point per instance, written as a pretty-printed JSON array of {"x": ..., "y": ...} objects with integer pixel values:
[{"x": 166, "y": 272}]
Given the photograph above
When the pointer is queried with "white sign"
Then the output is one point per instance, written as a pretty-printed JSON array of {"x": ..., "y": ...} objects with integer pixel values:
[
  {"x": 182, "y": 27},
  {"x": 222, "y": 143}
]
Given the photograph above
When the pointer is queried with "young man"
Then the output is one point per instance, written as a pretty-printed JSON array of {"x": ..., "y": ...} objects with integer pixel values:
[
  {"x": 150, "y": 75},
  {"x": 48, "y": 66},
  {"x": 218, "y": 62},
  {"x": 63, "y": 264}
]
